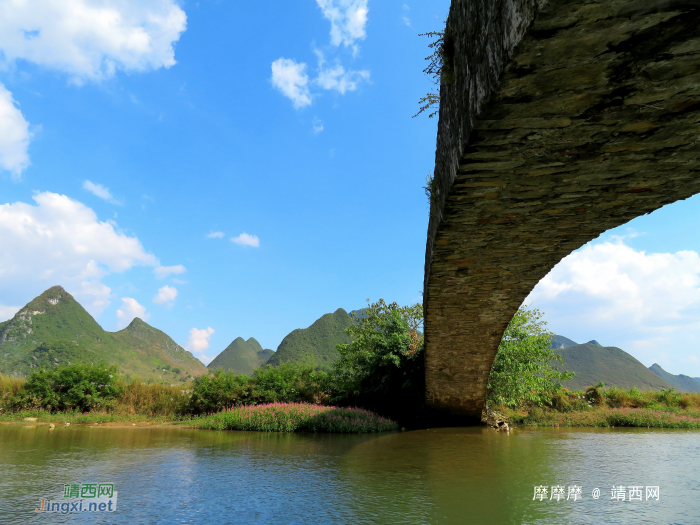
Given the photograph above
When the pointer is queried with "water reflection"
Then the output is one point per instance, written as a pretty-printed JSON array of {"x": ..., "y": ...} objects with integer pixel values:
[{"x": 468, "y": 475}]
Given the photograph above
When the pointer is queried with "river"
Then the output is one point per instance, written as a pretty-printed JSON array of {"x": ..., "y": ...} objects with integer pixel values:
[{"x": 441, "y": 476}]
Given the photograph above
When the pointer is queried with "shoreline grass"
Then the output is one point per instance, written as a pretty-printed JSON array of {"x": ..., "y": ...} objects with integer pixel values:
[
  {"x": 605, "y": 417},
  {"x": 600, "y": 406},
  {"x": 296, "y": 417}
]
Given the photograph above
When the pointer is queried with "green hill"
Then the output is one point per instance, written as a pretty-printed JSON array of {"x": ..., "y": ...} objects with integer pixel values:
[
  {"x": 315, "y": 345},
  {"x": 680, "y": 382},
  {"x": 54, "y": 330},
  {"x": 242, "y": 356},
  {"x": 614, "y": 367},
  {"x": 559, "y": 341}
]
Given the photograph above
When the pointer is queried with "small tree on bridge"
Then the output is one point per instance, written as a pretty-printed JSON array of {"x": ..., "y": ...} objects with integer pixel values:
[{"x": 523, "y": 371}]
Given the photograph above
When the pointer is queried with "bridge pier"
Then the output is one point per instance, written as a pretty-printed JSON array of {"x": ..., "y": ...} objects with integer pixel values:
[{"x": 561, "y": 120}]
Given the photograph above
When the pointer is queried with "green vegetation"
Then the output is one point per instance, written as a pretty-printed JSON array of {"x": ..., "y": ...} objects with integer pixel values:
[
  {"x": 315, "y": 346},
  {"x": 285, "y": 383},
  {"x": 241, "y": 357},
  {"x": 436, "y": 72},
  {"x": 293, "y": 417},
  {"x": 383, "y": 367},
  {"x": 96, "y": 394},
  {"x": 76, "y": 387},
  {"x": 54, "y": 330},
  {"x": 593, "y": 363},
  {"x": 522, "y": 372},
  {"x": 606, "y": 407},
  {"x": 680, "y": 382}
]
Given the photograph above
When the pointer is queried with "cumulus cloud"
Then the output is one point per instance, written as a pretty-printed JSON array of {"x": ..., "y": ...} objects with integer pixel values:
[
  {"x": 14, "y": 136},
  {"x": 61, "y": 241},
  {"x": 215, "y": 235},
  {"x": 98, "y": 190},
  {"x": 645, "y": 303},
  {"x": 198, "y": 343},
  {"x": 291, "y": 80},
  {"x": 166, "y": 295},
  {"x": 164, "y": 271},
  {"x": 348, "y": 19},
  {"x": 131, "y": 308},
  {"x": 247, "y": 240},
  {"x": 340, "y": 80},
  {"x": 91, "y": 39}
]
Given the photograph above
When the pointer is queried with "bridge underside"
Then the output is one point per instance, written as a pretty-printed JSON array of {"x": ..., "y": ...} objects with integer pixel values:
[{"x": 595, "y": 121}]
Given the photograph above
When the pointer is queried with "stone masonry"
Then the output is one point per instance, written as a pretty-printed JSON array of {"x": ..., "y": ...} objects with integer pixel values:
[{"x": 558, "y": 121}]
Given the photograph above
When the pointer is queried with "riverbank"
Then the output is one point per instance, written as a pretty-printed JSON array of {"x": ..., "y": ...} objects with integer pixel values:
[
  {"x": 272, "y": 417},
  {"x": 601, "y": 406},
  {"x": 605, "y": 417}
]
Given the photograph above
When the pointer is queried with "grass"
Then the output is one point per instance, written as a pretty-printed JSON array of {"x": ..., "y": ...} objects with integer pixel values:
[
  {"x": 612, "y": 407},
  {"x": 153, "y": 399},
  {"x": 294, "y": 417},
  {"x": 9, "y": 386},
  {"x": 87, "y": 418}
]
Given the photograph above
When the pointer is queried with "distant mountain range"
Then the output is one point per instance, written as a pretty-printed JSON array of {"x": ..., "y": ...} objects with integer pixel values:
[
  {"x": 241, "y": 356},
  {"x": 594, "y": 363},
  {"x": 314, "y": 346},
  {"x": 55, "y": 330},
  {"x": 680, "y": 382}
]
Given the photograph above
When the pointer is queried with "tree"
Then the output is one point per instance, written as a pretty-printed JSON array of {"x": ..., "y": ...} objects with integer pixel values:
[
  {"x": 522, "y": 372},
  {"x": 383, "y": 367}
]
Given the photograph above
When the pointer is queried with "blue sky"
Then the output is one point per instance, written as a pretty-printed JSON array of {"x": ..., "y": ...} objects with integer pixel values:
[{"x": 228, "y": 169}]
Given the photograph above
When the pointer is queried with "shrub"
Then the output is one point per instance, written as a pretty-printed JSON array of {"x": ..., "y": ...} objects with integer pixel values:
[
  {"x": 214, "y": 392},
  {"x": 669, "y": 397},
  {"x": 76, "y": 387},
  {"x": 594, "y": 396},
  {"x": 288, "y": 383}
]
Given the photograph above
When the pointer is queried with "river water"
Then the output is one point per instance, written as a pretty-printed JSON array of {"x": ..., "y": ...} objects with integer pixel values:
[{"x": 442, "y": 476}]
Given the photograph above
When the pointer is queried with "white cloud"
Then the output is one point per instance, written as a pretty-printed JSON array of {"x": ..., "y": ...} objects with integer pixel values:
[
  {"x": 8, "y": 312},
  {"x": 198, "y": 343},
  {"x": 91, "y": 39},
  {"x": 645, "y": 303},
  {"x": 14, "y": 136},
  {"x": 348, "y": 19},
  {"x": 100, "y": 191},
  {"x": 247, "y": 240},
  {"x": 404, "y": 17},
  {"x": 317, "y": 126},
  {"x": 166, "y": 295},
  {"x": 164, "y": 271},
  {"x": 337, "y": 78},
  {"x": 291, "y": 79},
  {"x": 215, "y": 235},
  {"x": 130, "y": 309},
  {"x": 61, "y": 241}
]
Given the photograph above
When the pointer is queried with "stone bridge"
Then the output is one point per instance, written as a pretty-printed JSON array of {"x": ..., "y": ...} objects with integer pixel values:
[{"x": 559, "y": 120}]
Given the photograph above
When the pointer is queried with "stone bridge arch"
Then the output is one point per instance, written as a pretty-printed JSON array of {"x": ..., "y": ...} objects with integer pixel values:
[{"x": 559, "y": 120}]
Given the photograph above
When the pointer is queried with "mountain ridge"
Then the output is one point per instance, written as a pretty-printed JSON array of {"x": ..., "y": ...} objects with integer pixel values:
[
  {"x": 53, "y": 329},
  {"x": 241, "y": 356}
]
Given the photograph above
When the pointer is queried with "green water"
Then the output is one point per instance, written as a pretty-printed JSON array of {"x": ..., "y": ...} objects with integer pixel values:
[{"x": 463, "y": 475}]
